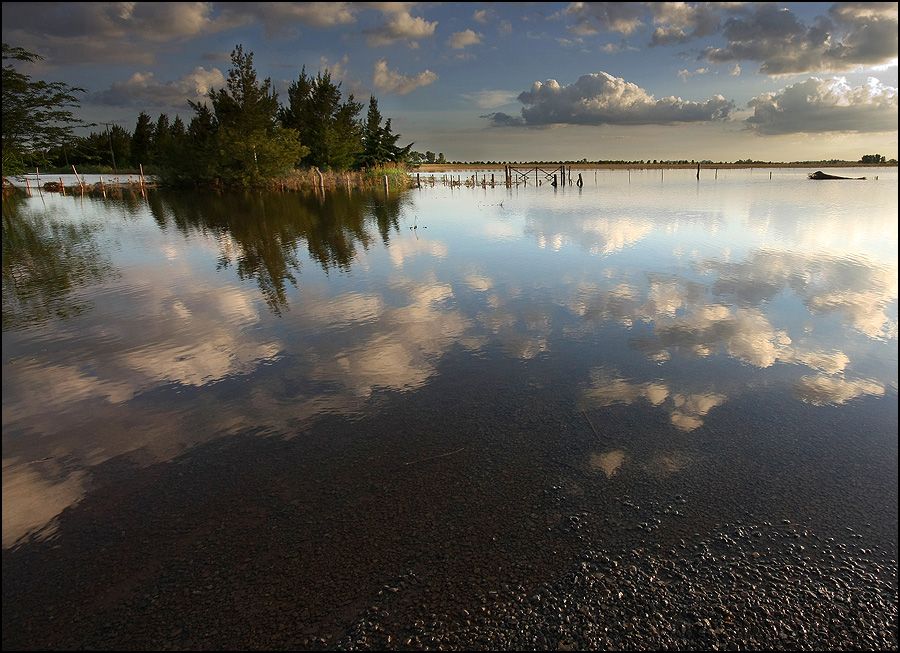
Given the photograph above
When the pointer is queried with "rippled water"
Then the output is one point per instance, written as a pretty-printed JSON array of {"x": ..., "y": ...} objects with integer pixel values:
[{"x": 656, "y": 306}]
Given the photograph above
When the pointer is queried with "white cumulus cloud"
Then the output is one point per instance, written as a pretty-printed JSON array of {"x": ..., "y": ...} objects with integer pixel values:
[
  {"x": 400, "y": 26},
  {"x": 460, "y": 40},
  {"x": 143, "y": 89},
  {"x": 391, "y": 81},
  {"x": 601, "y": 98},
  {"x": 825, "y": 105}
]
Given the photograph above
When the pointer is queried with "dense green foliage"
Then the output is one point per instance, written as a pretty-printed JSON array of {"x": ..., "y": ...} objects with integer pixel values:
[
  {"x": 329, "y": 127},
  {"x": 380, "y": 143},
  {"x": 240, "y": 136},
  {"x": 238, "y": 142}
]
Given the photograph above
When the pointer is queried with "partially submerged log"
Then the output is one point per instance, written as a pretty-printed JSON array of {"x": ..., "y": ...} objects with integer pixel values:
[{"x": 818, "y": 174}]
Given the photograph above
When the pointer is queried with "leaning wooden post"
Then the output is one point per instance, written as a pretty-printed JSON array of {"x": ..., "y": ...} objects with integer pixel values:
[
  {"x": 141, "y": 168},
  {"x": 698, "y": 172},
  {"x": 385, "y": 184},
  {"x": 418, "y": 181},
  {"x": 102, "y": 187},
  {"x": 27, "y": 187},
  {"x": 717, "y": 173},
  {"x": 80, "y": 182}
]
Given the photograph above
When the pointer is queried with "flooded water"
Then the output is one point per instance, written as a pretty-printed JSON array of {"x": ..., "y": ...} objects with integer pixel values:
[{"x": 262, "y": 393}]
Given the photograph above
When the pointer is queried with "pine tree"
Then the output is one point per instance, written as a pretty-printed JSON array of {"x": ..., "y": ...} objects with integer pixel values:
[
  {"x": 177, "y": 129},
  {"x": 197, "y": 162},
  {"x": 142, "y": 139},
  {"x": 251, "y": 146},
  {"x": 117, "y": 154},
  {"x": 346, "y": 135},
  {"x": 326, "y": 125},
  {"x": 373, "y": 152},
  {"x": 389, "y": 140},
  {"x": 162, "y": 139},
  {"x": 380, "y": 143},
  {"x": 246, "y": 104}
]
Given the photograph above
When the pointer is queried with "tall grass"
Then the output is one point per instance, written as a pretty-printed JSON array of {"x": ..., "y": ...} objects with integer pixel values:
[{"x": 398, "y": 177}]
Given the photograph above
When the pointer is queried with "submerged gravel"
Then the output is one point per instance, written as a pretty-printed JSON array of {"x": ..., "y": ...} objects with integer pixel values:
[
  {"x": 750, "y": 585},
  {"x": 729, "y": 541}
]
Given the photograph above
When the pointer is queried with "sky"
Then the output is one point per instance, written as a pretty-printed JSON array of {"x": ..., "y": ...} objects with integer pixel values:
[{"x": 510, "y": 81}]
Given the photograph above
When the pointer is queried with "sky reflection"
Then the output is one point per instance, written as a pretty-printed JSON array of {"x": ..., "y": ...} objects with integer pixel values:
[{"x": 142, "y": 330}]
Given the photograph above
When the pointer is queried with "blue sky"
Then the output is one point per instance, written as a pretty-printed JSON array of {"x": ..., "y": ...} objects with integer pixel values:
[{"x": 774, "y": 81}]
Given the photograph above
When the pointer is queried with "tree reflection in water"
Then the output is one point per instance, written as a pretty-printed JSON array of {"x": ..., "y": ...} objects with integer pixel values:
[
  {"x": 45, "y": 262},
  {"x": 260, "y": 234}
]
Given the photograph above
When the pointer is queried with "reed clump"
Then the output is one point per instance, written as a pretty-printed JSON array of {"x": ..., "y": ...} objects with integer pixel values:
[{"x": 398, "y": 177}]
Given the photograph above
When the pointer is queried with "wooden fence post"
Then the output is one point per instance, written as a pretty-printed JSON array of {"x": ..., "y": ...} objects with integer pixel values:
[{"x": 80, "y": 182}]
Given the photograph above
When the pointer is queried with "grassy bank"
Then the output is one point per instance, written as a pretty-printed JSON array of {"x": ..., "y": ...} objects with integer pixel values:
[{"x": 298, "y": 180}]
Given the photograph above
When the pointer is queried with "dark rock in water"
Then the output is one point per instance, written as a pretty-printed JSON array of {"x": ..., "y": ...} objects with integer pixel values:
[{"x": 818, "y": 174}]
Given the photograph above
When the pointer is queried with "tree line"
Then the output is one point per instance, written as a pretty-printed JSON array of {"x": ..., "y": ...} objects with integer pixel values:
[{"x": 241, "y": 135}]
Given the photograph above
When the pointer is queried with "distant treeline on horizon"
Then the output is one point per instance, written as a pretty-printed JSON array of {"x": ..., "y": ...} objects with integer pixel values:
[{"x": 867, "y": 159}]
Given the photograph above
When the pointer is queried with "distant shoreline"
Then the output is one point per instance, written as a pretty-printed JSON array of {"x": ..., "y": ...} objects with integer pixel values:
[{"x": 444, "y": 167}]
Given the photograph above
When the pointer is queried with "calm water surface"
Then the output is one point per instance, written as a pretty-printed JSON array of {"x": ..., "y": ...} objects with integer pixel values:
[
  {"x": 732, "y": 339},
  {"x": 150, "y": 327}
]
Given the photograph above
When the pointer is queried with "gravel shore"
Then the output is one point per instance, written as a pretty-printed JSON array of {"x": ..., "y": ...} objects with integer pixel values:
[{"x": 730, "y": 540}]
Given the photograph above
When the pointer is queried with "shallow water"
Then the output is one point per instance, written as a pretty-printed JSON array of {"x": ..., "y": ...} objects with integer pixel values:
[{"x": 732, "y": 339}]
